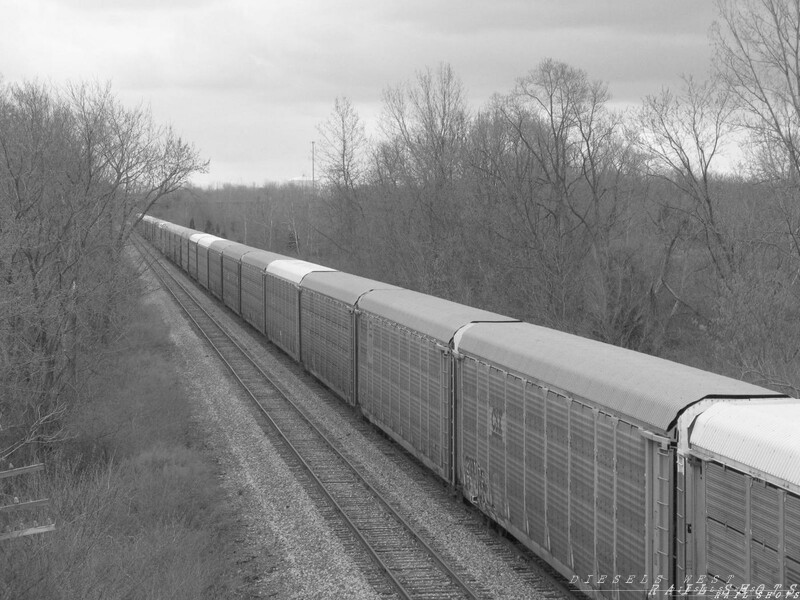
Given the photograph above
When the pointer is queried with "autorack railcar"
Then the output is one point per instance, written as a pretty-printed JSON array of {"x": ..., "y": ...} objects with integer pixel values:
[
  {"x": 231, "y": 275},
  {"x": 327, "y": 327},
  {"x": 282, "y": 297},
  {"x": 254, "y": 270},
  {"x": 739, "y": 470},
  {"x": 215, "y": 266},
  {"x": 178, "y": 243},
  {"x": 405, "y": 368},
  {"x": 203, "y": 245},
  {"x": 192, "y": 264},
  {"x": 570, "y": 444}
]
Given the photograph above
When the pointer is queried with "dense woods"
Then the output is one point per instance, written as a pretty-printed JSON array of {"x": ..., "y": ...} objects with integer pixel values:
[
  {"x": 76, "y": 168},
  {"x": 88, "y": 384},
  {"x": 642, "y": 228}
]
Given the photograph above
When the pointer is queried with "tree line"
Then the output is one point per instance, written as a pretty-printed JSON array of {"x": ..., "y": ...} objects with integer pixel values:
[
  {"x": 548, "y": 205},
  {"x": 77, "y": 169}
]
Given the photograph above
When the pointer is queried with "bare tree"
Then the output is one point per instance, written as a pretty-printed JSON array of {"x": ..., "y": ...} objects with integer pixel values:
[
  {"x": 757, "y": 46},
  {"x": 343, "y": 147},
  {"x": 343, "y": 157},
  {"x": 425, "y": 124},
  {"x": 558, "y": 153},
  {"x": 757, "y": 56},
  {"x": 681, "y": 134},
  {"x": 75, "y": 168}
]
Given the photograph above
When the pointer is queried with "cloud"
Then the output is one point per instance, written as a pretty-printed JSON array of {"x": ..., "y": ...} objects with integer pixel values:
[{"x": 249, "y": 80}]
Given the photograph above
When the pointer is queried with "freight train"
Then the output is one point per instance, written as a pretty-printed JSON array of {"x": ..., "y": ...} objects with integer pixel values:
[{"x": 633, "y": 476}]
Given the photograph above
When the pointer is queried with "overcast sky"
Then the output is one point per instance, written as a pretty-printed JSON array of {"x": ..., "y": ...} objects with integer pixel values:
[{"x": 249, "y": 81}]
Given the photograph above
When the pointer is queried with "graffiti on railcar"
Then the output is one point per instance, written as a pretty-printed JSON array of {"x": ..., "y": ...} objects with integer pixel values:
[
  {"x": 497, "y": 422},
  {"x": 476, "y": 485}
]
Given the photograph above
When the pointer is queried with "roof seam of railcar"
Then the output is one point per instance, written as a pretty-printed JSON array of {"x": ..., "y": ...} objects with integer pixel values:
[
  {"x": 427, "y": 335},
  {"x": 355, "y": 304},
  {"x": 686, "y": 407}
]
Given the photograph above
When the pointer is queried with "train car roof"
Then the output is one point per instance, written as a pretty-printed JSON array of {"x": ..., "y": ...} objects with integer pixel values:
[
  {"x": 341, "y": 286},
  {"x": 219, "y": 244},
  {"x": 651, "y": 391},
  {"x": 432, "y": 316},
  {"x": 236, "y": 250},
  {"x": 182, "y": 231},
  {"x": 294, "y": 270},
  {"x": 195, "y": 237},
  {"x": 757, "y": 438},
  {"x": 186, "y": 232},
  {"x": 209, "y": 239},
  {"x": 262, "y": 258}
]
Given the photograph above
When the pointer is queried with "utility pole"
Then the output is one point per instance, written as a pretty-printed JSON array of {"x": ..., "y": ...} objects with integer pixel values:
[{"x": 313, "y": 178}]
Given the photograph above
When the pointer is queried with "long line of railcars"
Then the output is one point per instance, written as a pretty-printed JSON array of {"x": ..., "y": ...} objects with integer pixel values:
[{"x": 632, "y": 475}]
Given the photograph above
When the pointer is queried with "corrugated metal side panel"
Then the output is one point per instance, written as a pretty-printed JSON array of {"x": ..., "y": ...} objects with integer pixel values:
[
  {"x": 764, "y": 566},
  {"x": 764, "y": 517},
  {"x": 726, "y": 506},
  {"x": 724, "y": 547},
  {"x": 192, "y": 264},
  {"x": 791, "y": 520},
  {"x": 418, "y": 424},
  {"x": 185, "y": 253},
  {"x": 631, "y": 482},
  {"x": 202, "y": 265},
  {"x": 606, "y": 497},
  {"x": 438, "y": 409},
  {"x": 402, "y": 390},
  {"x": 476, "y": 432},
  {"x": 726, "y": 493},
  {"x": 393, "y": 382},
  {"x": 747, "y": 517},
  {"x": 215, "y": 273},
  {"x": 792, "y": 572},
  {"x": 581, "y": 488},
  {"x": 535, "y": 499},
  {"x": 492, "y": 442},
  {"x": 253, "y": 296},
  {"x": 515, "y": 450},
  {"x": 557, "y": 476},
  {"x": 282, "y": 314},
  {"x": 385, "y": 381},
  {"x": 496, "y": 437},
  {"x": 482, "y": 446},
  {"x": 176, "y": 247},
  {"x": 467, "y": 430},
  {"x": 326, "y": 341},
  {"x": 230, "y": 286}
]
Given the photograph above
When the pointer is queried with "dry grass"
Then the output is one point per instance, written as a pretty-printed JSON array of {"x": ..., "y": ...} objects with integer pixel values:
[{"x": 137, "y": 507}]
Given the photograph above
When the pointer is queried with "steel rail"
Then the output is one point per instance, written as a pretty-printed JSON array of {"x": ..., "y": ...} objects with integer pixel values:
[{"x": 161, "y": 272}]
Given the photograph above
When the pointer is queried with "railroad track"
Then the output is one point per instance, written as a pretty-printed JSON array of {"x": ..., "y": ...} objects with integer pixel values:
[{"x": 395, "y": 558}]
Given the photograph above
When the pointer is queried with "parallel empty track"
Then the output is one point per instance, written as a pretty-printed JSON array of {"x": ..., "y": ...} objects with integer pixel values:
[{"x": 393, "y": 556}]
